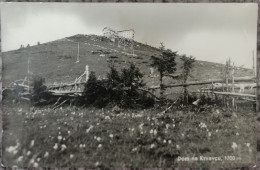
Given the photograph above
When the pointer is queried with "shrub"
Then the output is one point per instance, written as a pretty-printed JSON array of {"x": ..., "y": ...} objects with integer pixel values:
[
  {"x": 95, "y": 92},
  {"x": 39, "y": 93},
  {"x": 120, "y": 88}
]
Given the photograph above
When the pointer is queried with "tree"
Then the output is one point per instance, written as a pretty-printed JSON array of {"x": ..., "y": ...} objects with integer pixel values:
[
  {"x": 186, "y": 68},
  {"x": 95, "y": 92},
  {"x": 165, "y": 64}
]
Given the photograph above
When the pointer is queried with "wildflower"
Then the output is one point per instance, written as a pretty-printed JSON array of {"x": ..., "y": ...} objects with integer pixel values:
[
  {"x": 164, "y": 141},
  {"x": 73, "y": 113},
  {"x": 152, "y": 146},
  {"x": 83, "y": 145},
  {"x": 100, "y": 146},
  {"x": 55, "y": 146},
  {"x": 111, "y": 135},
  {"x": 209, "y": 134},
  {"x": 46, "y": 154},
  {"x": 32, "y": 143},
  {"x": 98, "y": 138},
  {"x": 202, "y": 125},
  {"x": 155, "y": 132},
  {"x": 134, "y": 149},
  {"x": 20, "y": 158},
  {"x": 80, "y": 145},
  {"x": 173, "y": 125},
  {"x": 71, "y": 156},
  {"x": 59, "y": 137},
  {"x": 237, "y": 133},
  {"x": 217, "y": 131},
  {"x": 107, "y": 118},
  {"x": 63, "y": 147},
  {"x": 90, "y": 127},
  {"x": 169, "y": 141},
  {"x": 234, "y": 145},
  {"x": 151, "y": 131},
  {"x": 35, "y": 164},
  {"x": 247, "y": 144},
  {"x": 141, "y": 126},
  {"x": 28, "y": 153},
  {"x": 167, "y": 126},
  {"x": 31, "y": 161},
  {"x": 68, "y": 132},
  {"x": 178, "y": 146},
  {"x": 97, "y": 164},
  {"x": 38, "y": 159}
]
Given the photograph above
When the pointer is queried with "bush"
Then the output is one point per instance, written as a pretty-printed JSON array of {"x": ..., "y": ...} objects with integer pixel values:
[
  {"x": 39, "y": 94},
  {"x": 120, "y": 88},
  {"x": 95, "y": 92}
]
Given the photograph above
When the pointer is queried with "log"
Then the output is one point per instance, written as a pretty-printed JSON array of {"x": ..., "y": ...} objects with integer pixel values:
[
  {"x": 236, "y": 94},
  {"x": 237, "y": 79}
]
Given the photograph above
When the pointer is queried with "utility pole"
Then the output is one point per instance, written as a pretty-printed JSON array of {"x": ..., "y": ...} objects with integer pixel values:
[
  {"x": 253, "y": 63},
  {"x": 77, "y": 54}
]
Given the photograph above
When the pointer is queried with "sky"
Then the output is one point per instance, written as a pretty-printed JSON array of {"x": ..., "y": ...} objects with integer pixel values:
[{"x": 207, "y": 31}]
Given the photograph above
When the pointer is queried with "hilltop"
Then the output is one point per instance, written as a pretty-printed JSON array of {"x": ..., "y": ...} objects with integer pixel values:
[{"x": 56, "y": 60}]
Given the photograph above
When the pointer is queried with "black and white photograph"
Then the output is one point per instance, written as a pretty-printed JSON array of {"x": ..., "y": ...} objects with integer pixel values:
[{"x": 126, "y": 85}]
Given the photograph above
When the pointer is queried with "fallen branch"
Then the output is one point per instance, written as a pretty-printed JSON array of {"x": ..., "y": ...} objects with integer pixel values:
[
  {"x": 56, "y": 101},
  {"x": 147, "y": 91},
  {"x": 60, "y": 104}
]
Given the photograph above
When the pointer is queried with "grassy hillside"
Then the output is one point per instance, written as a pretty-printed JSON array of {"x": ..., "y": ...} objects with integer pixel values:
[{"x": 55, "y": 61}]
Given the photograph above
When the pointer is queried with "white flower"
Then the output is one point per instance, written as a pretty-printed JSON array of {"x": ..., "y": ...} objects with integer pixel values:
[
  {"x": 100, "y": 146},
  {"x": 35, "y": 164},
  {"x": 59, "y": 137},
  {"x": 83, "y": 145},
  {"x": 237, "y": 133},
  {"x": 151, "y": 131},
  {"x": 111, "y": 135},
  {"x": 73, "y": 113},
  {"x": 152, "y": 146},
  {"x": 98, "y": 138},
  {"x": 28, "y": 153},
  {"x": 91, "y": 127},
  {"x": 107, "y": 118},
  {"x": 247, "y": 144},
  {"x": 155, "y": 132},
  {"x": 178, "y": 146},
  {"x": 202, "y": 125},
  {"x": 167, "y": 126},
  {"x": 97, "y": 163},
  {"x": 141, "y": 126},
  {"x": 217, "y": 131},
  {"x": 46, "y": 154},
  {"x": 20, "y": 158},
  {"x": 169, "y": 141},
  {"x": 164, "y": 141},
  {"x": 63, "y": 147},
  {"x": 71, "y": 156},
  {"x": 55, "y": 146},
  {"x": 134, "y": 149},
  {"x": 58, "y": 128},
  {"x": 68, "y": 132},
  {"x": 209, "y": 134},
  {"x": 38, "y": 159},
  {"x": 234, "y": 145}
]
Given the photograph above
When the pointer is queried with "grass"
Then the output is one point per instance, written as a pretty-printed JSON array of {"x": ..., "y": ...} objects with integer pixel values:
[
  {"x": 93, "y": 137},
  {"x": 55, "y": 61}
]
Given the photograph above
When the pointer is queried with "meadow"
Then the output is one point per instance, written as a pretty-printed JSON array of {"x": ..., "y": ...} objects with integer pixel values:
[{"x": 116, "y": 138}]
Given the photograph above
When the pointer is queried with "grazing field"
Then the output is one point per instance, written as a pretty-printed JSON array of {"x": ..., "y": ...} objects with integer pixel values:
[{"x": 110, "y": 137}]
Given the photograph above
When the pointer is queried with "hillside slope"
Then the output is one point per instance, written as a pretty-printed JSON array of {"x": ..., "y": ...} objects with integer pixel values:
[{"x": 55, "y": 61}]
